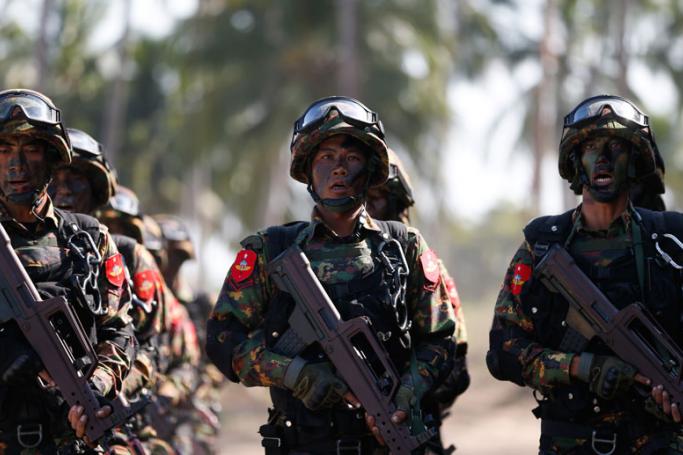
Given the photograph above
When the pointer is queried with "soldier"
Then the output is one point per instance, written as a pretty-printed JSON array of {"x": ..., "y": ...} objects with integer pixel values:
[
  {"x": 338, "y": 151},
  {"x": 179, "y": 351},
  {"x": 648, "y": 192},
  {"x": 84, "y": 186},
  {"x": 198, "y": 423},
  {"x": 590, "y": 401},
  {"x": 32, "y": 143},
  {"x": 392, "y": 201}
]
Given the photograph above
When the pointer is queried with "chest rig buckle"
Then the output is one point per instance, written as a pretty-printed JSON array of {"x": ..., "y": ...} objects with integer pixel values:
[{"x": 86, "y": 269}]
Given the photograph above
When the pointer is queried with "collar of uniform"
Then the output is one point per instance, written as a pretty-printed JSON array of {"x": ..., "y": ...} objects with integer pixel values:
[
  {"x": 50, "y": 216},
  {"x": 318, "y": 225},
  {"x": 621, "y": 224}
]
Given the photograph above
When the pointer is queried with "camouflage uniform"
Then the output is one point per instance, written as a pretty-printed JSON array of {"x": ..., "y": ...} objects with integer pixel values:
[
  {"x": 532, "y": 345},
  {"x": 397, "y": 195},
  {"x": 198, "y": 423},
  {"x": 52, "y": 249},
  {"x": 148, "y": 308},
  {"x": 41, "y": 251}
]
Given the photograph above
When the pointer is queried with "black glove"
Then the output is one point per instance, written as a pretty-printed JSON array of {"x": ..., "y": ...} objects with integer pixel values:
[
  {"x": 20, "y": 364},
  {"x": 318, "y": 387},
  {"x": 609, "y": 376}
]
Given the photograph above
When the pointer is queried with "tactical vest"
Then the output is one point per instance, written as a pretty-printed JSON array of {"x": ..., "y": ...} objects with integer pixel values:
[
  {"x": 53, "y": 272},
  {"x": 660, "y": 293},
  {"x": 369, "y": 296}
]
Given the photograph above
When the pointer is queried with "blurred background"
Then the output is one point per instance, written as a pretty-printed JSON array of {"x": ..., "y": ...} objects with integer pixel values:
[{"x": 194, "y": 101}]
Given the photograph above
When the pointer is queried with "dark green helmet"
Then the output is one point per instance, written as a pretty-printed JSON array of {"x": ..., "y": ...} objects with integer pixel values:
[
  {"x": 24, "y": 111},
  {"x": 89, "y": 159},
  {"x": 608, "y": 115}
]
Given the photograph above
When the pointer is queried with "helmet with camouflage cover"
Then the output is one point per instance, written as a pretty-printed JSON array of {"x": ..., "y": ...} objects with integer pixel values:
[
  {"x": 88, "y": 157},
  {"x": 613, "y": 116},
  {"x": 398, "y": 182},
  {"x": 24, "y": 111},
  {"x": 122, "y": 214},
  {"x": 332, "y": 116},
  {"x": 176, "y": 235},
  {"x": 392, "y": 200}
]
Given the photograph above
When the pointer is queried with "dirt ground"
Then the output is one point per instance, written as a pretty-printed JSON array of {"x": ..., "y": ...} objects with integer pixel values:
[{"x": 492, "y": 417}]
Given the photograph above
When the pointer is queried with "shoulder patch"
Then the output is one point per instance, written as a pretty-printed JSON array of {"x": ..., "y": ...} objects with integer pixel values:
[
  {"x": 113, "y": 267},
  {"x": 243, "y": 266},
  {"x": 521, "y": 275},
  {"x": 144, "y": 285},
  {"x": 430, "y": 268}
]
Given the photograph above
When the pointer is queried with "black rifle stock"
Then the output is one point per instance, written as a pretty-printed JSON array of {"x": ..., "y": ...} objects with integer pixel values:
[
  {"x": 632, "y": 333},
  {"x": 351, "y": 346},
  {"x": 54, "y": 331}
]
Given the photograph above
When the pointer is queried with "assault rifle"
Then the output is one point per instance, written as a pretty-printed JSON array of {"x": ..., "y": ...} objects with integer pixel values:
[
  {"x": 351, "y": 346},
  {"x": 632, "y": 333},
  {"x": 54, "y": 331}
]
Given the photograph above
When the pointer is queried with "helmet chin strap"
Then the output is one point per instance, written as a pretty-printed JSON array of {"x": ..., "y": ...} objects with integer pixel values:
[{"x": 339, "y": 205}]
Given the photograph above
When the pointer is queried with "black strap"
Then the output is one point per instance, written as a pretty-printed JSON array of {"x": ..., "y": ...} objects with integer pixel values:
[
  {"x": 84, "y": 222},
  {"x": 395, "y": 230},
  {"x": 279, "y": 238}
]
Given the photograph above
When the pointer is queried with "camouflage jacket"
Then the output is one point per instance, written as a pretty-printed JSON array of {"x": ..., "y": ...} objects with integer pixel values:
[
  {"x": 40, "y": 249},
  {"x": 247, "y": 291}
]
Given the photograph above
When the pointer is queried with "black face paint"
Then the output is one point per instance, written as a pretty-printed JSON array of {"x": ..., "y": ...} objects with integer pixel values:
[{"x": 604, "y": 163}]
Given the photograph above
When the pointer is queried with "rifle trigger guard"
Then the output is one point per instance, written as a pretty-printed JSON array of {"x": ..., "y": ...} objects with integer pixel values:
[{"x": 595, "y": 440}]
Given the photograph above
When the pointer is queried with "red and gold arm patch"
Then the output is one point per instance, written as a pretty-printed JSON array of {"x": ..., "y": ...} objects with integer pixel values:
[
  {"x": 243, "y": 266},
  {"x": 144, "y": 285},
  {"x": 521, "y": 275},
  {"x": 114, "y": 270},
  {"x": 430, "y": 269}
]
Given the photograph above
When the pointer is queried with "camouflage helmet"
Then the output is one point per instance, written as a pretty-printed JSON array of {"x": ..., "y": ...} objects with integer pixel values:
[
  {"x": 332, "y": 116},
  {"x": 89, "y": 159},
  {"x": 622, "y": 120},
  {"x": 24, "y": 111},
  {"x": 176, "y": 235},
  {"x": 122, "y": 214},
  {"x": 398, "y": 183}
]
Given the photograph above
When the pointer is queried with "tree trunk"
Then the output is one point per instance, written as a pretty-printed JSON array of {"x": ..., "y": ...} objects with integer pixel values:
[
  {"x": 621, "y": 47},
  {"x": 116, "y": 109},
  {"x": 41, "y": 50},
  {"x": 348, "y": 81},
  {"x": 545, "y": 106}
]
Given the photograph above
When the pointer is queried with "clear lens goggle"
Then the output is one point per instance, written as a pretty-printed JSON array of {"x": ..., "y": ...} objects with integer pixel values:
[
  {"x": 351, "y": 110},
  {"x": 592, "y": 108}
]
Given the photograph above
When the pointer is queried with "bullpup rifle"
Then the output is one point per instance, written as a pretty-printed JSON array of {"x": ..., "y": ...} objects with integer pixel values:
[
  {"x": 352, "y": 346},
  {"x": 632, "y": 333},
  {"x": 54, "y": 331}
]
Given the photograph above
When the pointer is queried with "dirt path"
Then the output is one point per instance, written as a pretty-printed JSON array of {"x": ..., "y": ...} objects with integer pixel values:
[{"x": 492, "y": 417}]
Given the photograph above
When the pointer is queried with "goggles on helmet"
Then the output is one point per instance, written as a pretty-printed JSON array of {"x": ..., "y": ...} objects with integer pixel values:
[
  {"x": 32, "y": 106},
  {"x": 592, "y": 108},
  {"x": 351, "y": 110},
  {"x": 396, "y": 175}
]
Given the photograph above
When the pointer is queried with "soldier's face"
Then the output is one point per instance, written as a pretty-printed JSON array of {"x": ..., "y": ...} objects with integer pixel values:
[
  {"x": 23, "y": 167},
  {"x": 339, "y": 168},
  {"x": 377, "y": 204},
  {"x": 605, "y": 161},
  {"x": 70, "y": 189}
]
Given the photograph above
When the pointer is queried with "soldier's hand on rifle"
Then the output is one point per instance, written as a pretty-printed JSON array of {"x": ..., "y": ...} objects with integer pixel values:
[
  {"x": 78, "y": 421},
  {"x": 663, "y": 400},
  {"x": 19, "y": 363},
  {"x": 607, "y": 376},
  {"x": 317, "y": 386}
]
